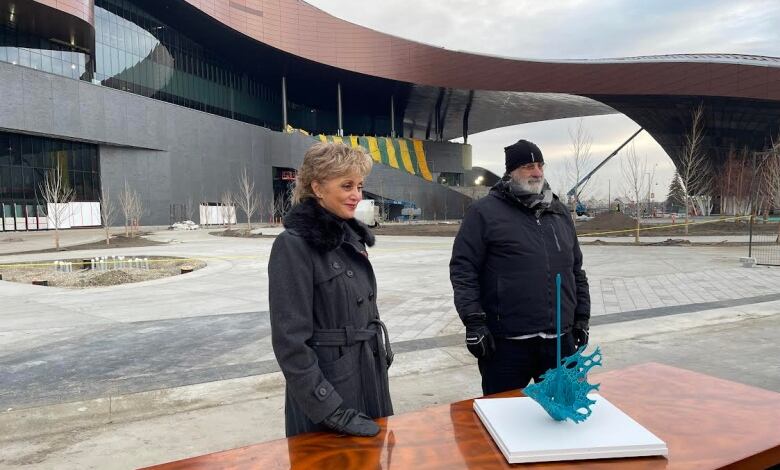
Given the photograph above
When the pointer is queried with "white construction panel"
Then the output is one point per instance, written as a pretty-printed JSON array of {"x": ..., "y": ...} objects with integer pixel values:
[
  {"x": 526, "y": 433},
  {"x": 217, "y": 215},
  {"x": 76, "y": 214}
]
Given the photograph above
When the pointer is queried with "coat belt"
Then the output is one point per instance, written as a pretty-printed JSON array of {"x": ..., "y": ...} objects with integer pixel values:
[{"x": 349, "y": 336}]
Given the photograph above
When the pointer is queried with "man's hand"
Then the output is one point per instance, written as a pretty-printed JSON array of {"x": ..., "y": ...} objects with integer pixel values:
[
  {"x": 352, "y": 422},
  {"x": 479, "y": 341},
  {"x": 580, "y": 336}
]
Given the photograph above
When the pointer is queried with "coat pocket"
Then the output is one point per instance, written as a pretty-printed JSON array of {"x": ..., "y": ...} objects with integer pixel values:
[
  {"x": 345, "y": 375},
  {"x": 343, "y": 367}
]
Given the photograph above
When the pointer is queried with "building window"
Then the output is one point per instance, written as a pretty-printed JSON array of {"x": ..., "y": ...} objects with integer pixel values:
[
  {"x": 451, "y": 179},
  {"x": 25, "y": 160},
  {"x": 21, "y": 48}
]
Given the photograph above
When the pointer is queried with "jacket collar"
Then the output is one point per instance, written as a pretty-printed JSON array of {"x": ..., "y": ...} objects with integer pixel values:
[
  {"x": 321, "y": 229},
  {"x": 498, "y": 191}
]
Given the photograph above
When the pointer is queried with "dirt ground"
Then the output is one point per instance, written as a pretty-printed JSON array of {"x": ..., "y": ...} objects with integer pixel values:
[
  {"x": 612, "y": 222},
  {"x": 240, "y": 233},
  {"x": 449, "y": 229},
  {"x": 117, "y": 241},
  {"x": 79, "y": 277},
  {"x": 624, "y": 225}
]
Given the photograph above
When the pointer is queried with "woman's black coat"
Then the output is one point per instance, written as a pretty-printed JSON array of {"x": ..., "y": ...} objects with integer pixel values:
[{"x": 325, "y": 327}]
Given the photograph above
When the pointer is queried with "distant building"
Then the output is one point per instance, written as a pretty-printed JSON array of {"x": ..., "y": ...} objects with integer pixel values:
[{"x": 177, "y": 97}]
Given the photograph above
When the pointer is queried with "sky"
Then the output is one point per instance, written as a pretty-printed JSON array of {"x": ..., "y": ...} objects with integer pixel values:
[{"x": 575, "y": 29}]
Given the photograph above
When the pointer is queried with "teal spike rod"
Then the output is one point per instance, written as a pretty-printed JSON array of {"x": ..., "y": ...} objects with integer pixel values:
[
  {"x": 563, "y": 391},
  {"x": 558, "y": 319}
]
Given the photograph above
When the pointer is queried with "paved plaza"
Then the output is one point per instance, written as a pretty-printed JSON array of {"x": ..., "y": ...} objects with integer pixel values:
[{"x": 199, "y": 343}]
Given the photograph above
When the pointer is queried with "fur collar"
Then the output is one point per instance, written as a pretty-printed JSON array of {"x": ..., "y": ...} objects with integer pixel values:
[{"x": 321, "y": 229}]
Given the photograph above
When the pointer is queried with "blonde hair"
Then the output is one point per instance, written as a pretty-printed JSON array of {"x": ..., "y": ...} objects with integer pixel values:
[{"x": 325, "y": 161}]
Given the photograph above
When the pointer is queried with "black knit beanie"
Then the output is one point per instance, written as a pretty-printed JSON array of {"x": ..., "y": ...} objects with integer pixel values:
[{"x": 520, "y": 153}]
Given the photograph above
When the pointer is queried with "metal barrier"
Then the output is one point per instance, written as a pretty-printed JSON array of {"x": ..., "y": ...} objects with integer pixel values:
[{"x": 764, "y": 247}]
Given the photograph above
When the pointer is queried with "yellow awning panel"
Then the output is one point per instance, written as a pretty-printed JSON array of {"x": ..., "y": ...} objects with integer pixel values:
[
  {"x": 373, "y": 149},
  {"x": 422, "y": 164},
  {"x": 387, "y": 151},
  {"x": 406, "y": 159},
  {"x": 391, "y": 158}
]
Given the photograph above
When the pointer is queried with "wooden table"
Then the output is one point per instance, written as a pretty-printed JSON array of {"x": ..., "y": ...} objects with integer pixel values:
[{"x": 706, "y": 423}]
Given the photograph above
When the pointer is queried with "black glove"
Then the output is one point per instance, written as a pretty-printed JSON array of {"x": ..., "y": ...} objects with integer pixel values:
[
  {"x": 580, "y": 336},
  {"x": 352, "y": 422},
  {"x": 479, "y": 341}
]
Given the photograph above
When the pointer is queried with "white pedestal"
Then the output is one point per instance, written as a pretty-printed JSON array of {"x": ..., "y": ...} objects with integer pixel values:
[{"x": 526, "y": 433}]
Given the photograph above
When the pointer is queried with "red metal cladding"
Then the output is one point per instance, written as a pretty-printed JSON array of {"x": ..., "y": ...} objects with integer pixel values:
[
  {"x": 81, "y": 9},
  {"x": 303, "y": 30}
]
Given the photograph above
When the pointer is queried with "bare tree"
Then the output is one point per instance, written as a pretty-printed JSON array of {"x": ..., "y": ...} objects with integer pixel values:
[
  {"x": 226, "y": 207},
  {"x": 694, "y": 166},
  {"x": 126, "y": 201},
  {"x": 189, "y": 209},
  {"x": 132, "y": 209},
  {"x": 772, "y": 178},
  {"x": 282, "y": 203},
  {"x": 579, "y": 162},
  {"x": 107, "y": 212},
  {"x": 58, "y": 195},
  {"x": 634, "y": 169},
  {"x": 556, "y": 176},
  {"x": 137, "y": 211},
  {"x": 247, "y": 200},
  {"x": 262, "y": 204},
  {"x": 271, "y": 207}
]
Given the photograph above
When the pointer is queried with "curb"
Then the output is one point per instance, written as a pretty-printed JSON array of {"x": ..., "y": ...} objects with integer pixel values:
[{"x": 27, "y": 423}]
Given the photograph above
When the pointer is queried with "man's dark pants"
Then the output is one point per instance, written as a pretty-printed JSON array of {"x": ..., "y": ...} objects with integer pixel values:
[{"x": 516, "y": 361}]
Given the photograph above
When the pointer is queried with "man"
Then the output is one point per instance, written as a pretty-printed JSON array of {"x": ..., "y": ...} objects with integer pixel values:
[{"x": 510, "y": 247}]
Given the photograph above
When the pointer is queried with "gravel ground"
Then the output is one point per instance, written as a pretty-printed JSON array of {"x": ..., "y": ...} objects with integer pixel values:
[{"x": 159, "y": 267}]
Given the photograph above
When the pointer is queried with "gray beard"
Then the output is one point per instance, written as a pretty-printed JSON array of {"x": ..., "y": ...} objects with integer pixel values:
[{"x": 531, "y": 188}]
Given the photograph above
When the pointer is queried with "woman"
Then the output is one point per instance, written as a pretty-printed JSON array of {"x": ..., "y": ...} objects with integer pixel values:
[{"x": 325, "y": 328}]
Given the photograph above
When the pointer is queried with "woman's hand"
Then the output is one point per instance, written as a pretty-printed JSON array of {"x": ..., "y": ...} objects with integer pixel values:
[{"x": 352, "y": 422}]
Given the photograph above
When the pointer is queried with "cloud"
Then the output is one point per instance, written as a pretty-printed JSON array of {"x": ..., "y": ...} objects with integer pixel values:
[
  {"x": 571, "y": 29},
  {"x": 574, "y": 29}
]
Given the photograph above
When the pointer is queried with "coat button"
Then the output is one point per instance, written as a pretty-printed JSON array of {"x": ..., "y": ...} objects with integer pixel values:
[
  {"x": 350, "y": 273},
  {"x": 336, "y": 265},
  {"x": 322, "y": 391},
  {"x": 370, "y": 296},
  {"x": 360, "y": 301}
]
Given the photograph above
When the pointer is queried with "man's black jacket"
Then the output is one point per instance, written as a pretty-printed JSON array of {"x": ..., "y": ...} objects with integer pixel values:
[{"x": 504, "y": 263}]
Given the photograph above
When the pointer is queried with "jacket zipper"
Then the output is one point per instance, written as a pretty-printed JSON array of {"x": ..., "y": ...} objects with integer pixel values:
[
  {"x": 556, "y": 237},
  {"x": 547, "y": 262}
]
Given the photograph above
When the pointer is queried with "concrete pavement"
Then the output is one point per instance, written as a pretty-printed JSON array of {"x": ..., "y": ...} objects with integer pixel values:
[{"x": 188, "y": 344}]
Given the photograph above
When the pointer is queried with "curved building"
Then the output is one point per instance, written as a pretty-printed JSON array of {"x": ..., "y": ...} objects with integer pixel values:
[{"x": 177, "y": 97}]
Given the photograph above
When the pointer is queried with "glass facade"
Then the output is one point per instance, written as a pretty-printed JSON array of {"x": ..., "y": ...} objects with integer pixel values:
[
  {"x": 24, "y": 161},
  {"x": 135, "y": 52},
  {"x": 21, "y": 48}
]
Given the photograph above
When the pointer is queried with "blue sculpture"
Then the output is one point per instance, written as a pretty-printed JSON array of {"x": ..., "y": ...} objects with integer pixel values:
[{"x": 563, "y": 391}]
